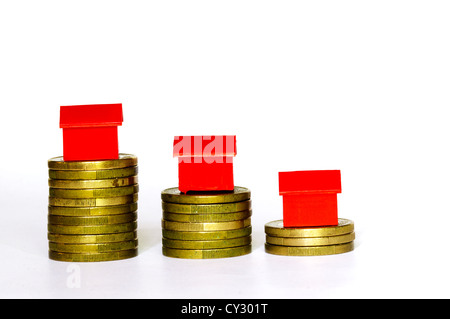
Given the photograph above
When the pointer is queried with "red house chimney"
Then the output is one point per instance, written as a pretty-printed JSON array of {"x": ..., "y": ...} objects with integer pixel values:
[
  {"x": 310, "y": 197},
  {"x": 90, "y": 131},
  {"x": 205, "y": 163}
]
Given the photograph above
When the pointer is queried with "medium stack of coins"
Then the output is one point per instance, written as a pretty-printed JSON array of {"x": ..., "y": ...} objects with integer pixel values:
[
  {"x": 309, "y": 241},
  {"x": 92, "y": 213},
  {"x": 203, "y": 225}
]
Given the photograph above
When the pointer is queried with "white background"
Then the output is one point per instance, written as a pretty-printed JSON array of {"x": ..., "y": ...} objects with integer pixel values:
[{"x": 360, "y": 86}]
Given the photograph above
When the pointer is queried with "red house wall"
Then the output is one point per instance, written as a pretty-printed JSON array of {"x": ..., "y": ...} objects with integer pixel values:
[
  {"x": 90, "y": 143},
  {"x": 308, "y": 210},
  {"x": 205, "y": 174}
]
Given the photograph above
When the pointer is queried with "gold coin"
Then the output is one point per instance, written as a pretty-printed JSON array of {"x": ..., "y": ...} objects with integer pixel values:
[
  {"x": 125, "y": 160},
  {"x": 92, "y": 211},
  {"x": 93, "y": 257},
  {"x": 173, "y": 195},
  {"x": 94, "y": 193},
  {"x": 277, "y": 229},
  {"x": 93, "y": 202},
  {"x": 92, "y": 220},
  {"x": 206, "y": 208},
  {"x": 205, "y": 226},
  {"x": 93, "y": 248},
  {"x": 206, "y": 244},
  {"x": 196, "y": 218},
  {"x": 91, "y": 239},
  {"x": 97, "y": 183},
  {"x": 206, "y": 253},
  {"x": 310, "y": 241},
  {"x": 309, "y": 250},
  {"x": 94, "y": 175},
  {"x": 92, "y": 230},
  {"x": 207, "y": 235}
]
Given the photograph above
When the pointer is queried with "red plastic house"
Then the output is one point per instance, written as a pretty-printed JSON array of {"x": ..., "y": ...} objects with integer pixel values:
[
  {"x": 310, "y": 197},
  {"x": 90, "y": 131},
  {"x": 205, "y": 163}
]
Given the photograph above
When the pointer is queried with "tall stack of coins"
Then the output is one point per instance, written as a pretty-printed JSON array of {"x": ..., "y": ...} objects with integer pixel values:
[
  {"x": 92, "y": 213},
  {"x": 203, "y": 225},
  {"x": 309, "y": 241}
]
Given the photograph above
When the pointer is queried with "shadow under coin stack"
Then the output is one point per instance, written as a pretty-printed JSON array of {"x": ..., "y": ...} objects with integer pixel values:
[
  {"x": 92, "y": 213},
  {"x": 309, "y": 241},
  {"x": 203, "y": 225}
]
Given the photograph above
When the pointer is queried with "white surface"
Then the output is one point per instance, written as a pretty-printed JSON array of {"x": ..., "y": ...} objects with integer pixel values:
[{"x": 360, "y": 86}]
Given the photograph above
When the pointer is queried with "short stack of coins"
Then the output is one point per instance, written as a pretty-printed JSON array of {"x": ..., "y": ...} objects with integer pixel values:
[
  {"x": 204, "y": 225},
  {"x": 309, "y": 241},
  {"x": 92, "y": 213}
]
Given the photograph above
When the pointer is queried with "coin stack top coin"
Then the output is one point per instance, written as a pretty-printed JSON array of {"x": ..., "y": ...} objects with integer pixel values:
[
  {"x": 92, "y": 213},
  {"x": 309, "y": 241},
  {"x": 201, "y": 225}
]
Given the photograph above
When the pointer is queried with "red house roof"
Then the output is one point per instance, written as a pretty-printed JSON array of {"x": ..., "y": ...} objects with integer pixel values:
[
  {"x": 91, "y": 115},
  {"x": 215, "y": 145},
  {"x": 324, "y": 181}
]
